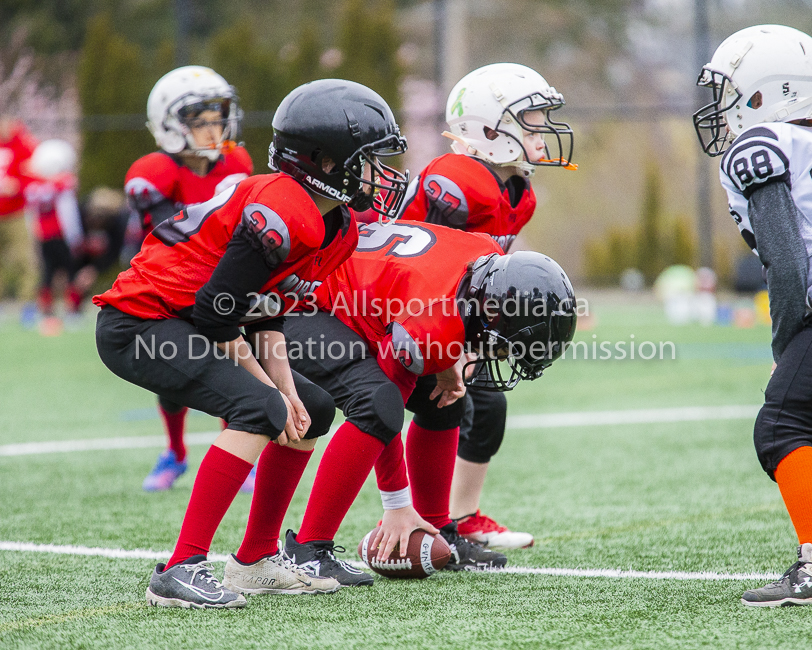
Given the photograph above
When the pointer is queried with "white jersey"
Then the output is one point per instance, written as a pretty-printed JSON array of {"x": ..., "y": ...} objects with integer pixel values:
[{"x": 769, "y": 152}]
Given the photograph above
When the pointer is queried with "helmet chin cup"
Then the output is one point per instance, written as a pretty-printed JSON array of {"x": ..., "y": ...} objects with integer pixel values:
[{"x": 209, "y": 154}]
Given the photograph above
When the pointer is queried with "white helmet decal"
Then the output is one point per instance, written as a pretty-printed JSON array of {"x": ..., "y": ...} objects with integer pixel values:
[{"x": 189, "y": 87}]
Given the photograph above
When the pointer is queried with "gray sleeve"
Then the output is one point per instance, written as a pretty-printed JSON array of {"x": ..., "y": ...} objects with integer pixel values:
[{"x": 782, "y": 251}]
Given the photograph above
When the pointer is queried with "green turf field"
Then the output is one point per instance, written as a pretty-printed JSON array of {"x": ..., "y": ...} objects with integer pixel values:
[{"x": 666, "y": 497}]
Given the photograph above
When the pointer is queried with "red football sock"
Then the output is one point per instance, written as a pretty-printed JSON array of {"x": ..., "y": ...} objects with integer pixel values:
[
  {"x": 218, "y": 480},
  {"x": 175, "y": 424},
  {"x": 73, "y": 298},
  {"x": 390, "y": 468},
  {"x": 430, "y": 457},
  {"x": 279, "y": 470},
  {"x": 794, "y": 478},
  {"x": 345, "y": 465}
]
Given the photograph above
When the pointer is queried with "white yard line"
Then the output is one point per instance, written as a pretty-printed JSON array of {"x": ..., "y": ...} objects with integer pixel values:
[
  {"x": 138, "y": 554},
  {"x": 529, "y": 421}
]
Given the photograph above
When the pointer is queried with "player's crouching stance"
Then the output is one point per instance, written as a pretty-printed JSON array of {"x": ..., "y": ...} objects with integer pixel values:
[
  {"x": 761, "y": 119},
  {"x": 170, "y": 324},
  {"x": 406, "y": 305}
]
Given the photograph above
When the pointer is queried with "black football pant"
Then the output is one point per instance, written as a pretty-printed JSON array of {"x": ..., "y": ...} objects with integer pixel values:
[
  {"x": 483, "y": 426},
  {"x": 785, "y": 421},
  {"x": 172, "y": 359}
]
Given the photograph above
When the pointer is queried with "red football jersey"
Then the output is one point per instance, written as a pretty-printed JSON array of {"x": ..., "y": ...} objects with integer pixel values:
[
  {"x": 402, "y": 281},
  {"x": 158, "y": 177},
  {"x": 52, "y": 209},
  {"x": 463, "y": 193},
  {"x": 180, "y": 255},
  {"x": 13, "y": 179}
]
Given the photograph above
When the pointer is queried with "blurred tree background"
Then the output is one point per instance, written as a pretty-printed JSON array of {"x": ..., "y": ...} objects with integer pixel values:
[{"x": 82, "y": 70}]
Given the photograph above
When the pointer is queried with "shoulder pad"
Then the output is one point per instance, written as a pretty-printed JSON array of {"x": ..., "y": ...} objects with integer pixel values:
[
  {"x": 447, "y": 203},
  {"x": 241, "y": 159},
  {"x": 405, "y": 348},
  {"x": 150, "y": 180},
  {"x": 268, "y": 232},
  {"x": 757, "y": 156}
]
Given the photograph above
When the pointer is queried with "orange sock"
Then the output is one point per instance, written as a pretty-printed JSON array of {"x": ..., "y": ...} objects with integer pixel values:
[{"x": 794, "y": 478}]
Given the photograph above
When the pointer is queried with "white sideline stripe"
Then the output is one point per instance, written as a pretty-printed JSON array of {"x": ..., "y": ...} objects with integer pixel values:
[
  {"x": 138, "y": 554},
  {"x": 529, "y": 421},
  {"x": 638, "y": 416}
]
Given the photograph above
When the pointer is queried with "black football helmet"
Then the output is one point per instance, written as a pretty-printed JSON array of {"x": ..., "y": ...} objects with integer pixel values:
[
  {"x": 327, "y": 131},
  {"x": 519, "y": 312}
]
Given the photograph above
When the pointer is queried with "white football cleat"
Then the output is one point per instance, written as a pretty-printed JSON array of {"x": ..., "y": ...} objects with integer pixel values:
[
  {"x": 274, "y": 574},
  {"x": 483, "y": 530}
]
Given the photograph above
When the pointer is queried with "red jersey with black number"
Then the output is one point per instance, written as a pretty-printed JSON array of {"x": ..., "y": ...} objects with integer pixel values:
[
  {"x": 159, "y": 185},
  {"x": 264, "y": 237},
  {"x": 401, "y": 282},
  {"x": 464, "y": 193},
  {"x": 14, "y": 152}
]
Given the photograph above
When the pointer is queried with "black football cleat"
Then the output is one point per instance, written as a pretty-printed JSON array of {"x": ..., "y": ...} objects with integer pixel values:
[
  {"x": 467, "y": 555},
  {"x": 318, "y": 557},
  {"x": 793, "y": 588}
]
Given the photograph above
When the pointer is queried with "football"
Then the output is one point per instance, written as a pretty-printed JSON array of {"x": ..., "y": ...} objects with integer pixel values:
[{"x": 426, "y": 554}]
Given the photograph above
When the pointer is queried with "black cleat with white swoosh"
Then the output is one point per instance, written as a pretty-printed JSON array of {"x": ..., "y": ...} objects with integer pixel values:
[{"x": 190, "y": 585}]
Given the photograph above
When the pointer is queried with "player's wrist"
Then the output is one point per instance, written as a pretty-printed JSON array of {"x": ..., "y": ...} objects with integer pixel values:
[{"x": 397, "y": 499}]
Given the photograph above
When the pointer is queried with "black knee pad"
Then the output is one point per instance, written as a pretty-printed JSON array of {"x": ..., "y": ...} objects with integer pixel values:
[
  {"x": 169, "y": 406},
  {"x": 320, "y": 407},
  {"x": 482, "y": 433},
  {"x": 379, "y": 413},
  {"x": 428, "y": 416}
]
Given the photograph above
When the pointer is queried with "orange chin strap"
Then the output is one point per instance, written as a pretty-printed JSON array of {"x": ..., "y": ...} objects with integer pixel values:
[
  {"x": 227, "y": 146},
  {"x": 565, "y": 164}
]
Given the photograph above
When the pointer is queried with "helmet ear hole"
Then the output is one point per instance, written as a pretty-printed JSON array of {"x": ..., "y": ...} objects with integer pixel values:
[
  {"x": 756, "y": 100},
  {"x": 490, "y": 134}
]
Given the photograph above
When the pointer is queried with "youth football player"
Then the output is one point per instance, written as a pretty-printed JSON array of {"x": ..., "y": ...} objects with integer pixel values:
[
  {"x": 53, "y": 214},
  {"x": 194, "y": 117},
  {"x": 500, "y": 121},
  {"x": 171, "y": 324},
  {"x": 760, "y": 119},
  {"x": 404, "y": 307}
]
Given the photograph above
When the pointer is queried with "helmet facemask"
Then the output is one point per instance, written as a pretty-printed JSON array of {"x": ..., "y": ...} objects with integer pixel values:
[
  {"x": 183, "y": 118},
  {"x": 557, "y": 136},
  {"x": 710, "y": 121},
  {"x": 382, "y": 188}
]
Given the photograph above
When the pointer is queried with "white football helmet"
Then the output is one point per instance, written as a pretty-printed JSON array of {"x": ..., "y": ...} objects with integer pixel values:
[
  {"x": 759, "y": 74},
  {"x": 485, "y": 113},
  {"x": 178, "y": 97},
  {"x": 52, "y": 158}
]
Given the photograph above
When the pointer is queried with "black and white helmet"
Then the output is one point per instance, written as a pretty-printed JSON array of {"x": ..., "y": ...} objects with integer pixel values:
[
  {"x": 520, "y": 310},
  {"x": 325, "y": 134}
]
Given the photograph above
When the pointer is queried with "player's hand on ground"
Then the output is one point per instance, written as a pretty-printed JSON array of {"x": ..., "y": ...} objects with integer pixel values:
[
  {"x": 396, "y": 527},
  {"x": 450, "y": 386}
]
